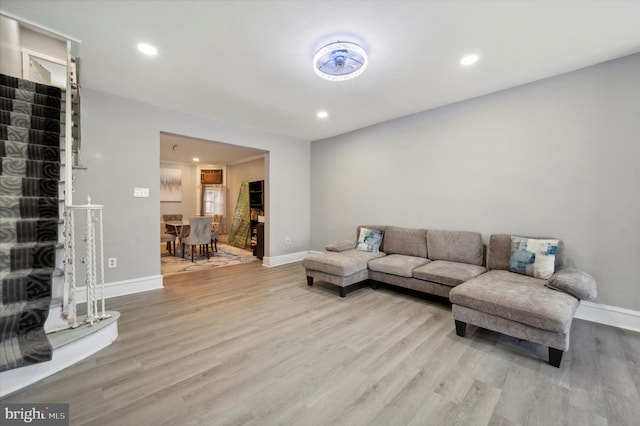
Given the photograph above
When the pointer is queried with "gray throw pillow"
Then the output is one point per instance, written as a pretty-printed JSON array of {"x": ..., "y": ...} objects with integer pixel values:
[
  {"x": 341, "y": 246},
  {"x": 577, "y": 283}
]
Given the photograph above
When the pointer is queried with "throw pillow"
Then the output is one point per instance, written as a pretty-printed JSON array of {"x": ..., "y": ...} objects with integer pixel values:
[
  {"x": 369, "y": 240},
  {"x": 577, "y": 283},
  {"x": 533, "y": 257},
  {"x": 341, "y": 246}
]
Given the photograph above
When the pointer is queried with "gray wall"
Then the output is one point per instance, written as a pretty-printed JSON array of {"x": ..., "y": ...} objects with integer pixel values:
[
  {"x": 560, "y": 157},
  {"x": 120, "y": 146}
]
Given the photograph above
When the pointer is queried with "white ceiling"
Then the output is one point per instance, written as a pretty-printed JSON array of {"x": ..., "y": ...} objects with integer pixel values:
[
  {"x": 182, "y": 150},
  {"x": 249, "y": 62}
]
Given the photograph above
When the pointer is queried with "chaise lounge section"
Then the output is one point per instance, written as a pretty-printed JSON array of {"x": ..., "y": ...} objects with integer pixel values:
[
  {"x": 342, "y": 265},
  {"x": 538, "y": 309}
]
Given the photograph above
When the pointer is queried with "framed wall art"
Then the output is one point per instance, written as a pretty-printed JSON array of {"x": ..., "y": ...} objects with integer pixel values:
[
  {"x": 211, "y": 176},
  {"x": 170, "y": 185}
]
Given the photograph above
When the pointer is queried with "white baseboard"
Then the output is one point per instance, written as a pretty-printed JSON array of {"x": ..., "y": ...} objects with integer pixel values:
[
  {"x": 63, "y": 357},
  {"x": 609, "y": 315},
  {"x": 284, "y": 259},
  {"x": 602, "y": 314},
  {"x": 122, "y": 288},
  {"x": 588, "y": 311}
]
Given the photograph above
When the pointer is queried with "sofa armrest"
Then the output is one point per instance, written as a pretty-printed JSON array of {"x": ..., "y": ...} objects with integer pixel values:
[
  {"x": 341, "y": 246},
  {"x": 577, "y": 283}
]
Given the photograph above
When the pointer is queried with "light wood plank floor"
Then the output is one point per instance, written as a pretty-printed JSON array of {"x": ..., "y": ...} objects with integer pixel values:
[{"x": 251, "y": 345}]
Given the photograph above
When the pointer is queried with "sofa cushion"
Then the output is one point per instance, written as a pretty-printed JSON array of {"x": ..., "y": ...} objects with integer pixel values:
[
  {"x": 499, "y": 252},
  {"x": 533, "y": 257},
  {"x": 455, "y": 246},
  {"x": 577, "y": 283},
  {"x": 448, "y": 273},
  {"x": 397, "y": 264},
  {"x": 369, "y": 239},
  {"x": 518, "y": 298},
  {"x": 341, "y": 264},
  {"x": 407, "y": 241}
]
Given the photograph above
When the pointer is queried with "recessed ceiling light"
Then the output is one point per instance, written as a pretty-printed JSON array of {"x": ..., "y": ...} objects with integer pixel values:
[
  {"x": 147, "y": 49},
  {"x": 469, "y": 60},
  {"x": 322, "y": 114},
  {"x": 196, "y": 159}
]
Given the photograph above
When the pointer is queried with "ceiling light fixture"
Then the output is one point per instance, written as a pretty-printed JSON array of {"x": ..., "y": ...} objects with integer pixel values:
[
  {"x": 340, "y": 61},
  {"x": 322, "y": 114},
  {"x": 196, "y": 159},
  {"x": 469, "y": 60},
  {"x": 147, "y": 49}
]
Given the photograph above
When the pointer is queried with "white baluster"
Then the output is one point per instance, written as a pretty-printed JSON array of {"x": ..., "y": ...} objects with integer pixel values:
[{"x": 92, "y": 257}]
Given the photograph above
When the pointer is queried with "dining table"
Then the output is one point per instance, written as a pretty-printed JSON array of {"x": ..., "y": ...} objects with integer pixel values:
[{"x": 177, "y": 226}]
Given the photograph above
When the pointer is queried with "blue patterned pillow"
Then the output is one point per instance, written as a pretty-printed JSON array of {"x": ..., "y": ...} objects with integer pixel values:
[
  {"x": 533, "y": 257},
  {"x": 369, "y": 240}
]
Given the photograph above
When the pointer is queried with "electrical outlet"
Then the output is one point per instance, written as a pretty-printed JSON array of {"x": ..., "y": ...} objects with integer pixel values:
[
  {"x": 287, "y": 240},
  {"x": 113, "y": 262}
]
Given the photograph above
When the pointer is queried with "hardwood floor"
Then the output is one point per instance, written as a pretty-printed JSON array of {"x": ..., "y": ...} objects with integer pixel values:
[{"x": 253, "y": 345}]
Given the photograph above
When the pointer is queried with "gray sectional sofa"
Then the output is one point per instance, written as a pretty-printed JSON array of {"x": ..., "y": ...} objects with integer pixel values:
[
  {"x": 401, "y": 260},
  {"x": 508, "y": 291}
]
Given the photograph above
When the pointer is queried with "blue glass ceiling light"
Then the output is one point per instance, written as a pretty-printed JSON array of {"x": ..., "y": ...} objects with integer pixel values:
[{"x": 340, "y": 61}]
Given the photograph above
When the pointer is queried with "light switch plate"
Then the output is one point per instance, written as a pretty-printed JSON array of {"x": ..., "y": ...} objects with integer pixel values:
[{"x": 141, "y": 192}]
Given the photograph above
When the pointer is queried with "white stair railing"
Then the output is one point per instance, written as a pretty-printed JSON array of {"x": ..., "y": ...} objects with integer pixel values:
[
  {"x": 93, "y": 261},
  {"x": 69, "y": 256}
]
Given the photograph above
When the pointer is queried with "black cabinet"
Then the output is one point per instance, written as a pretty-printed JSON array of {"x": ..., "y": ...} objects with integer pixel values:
[
  {"x": 259, "y": 250},
  {"x": 256, "y": 206}
]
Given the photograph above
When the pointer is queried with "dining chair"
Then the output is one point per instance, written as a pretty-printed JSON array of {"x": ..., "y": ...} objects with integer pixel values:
[
  {"x": 215, "y": 233},
  {"x": 199, "y": 235},
  {"x": 171, "y": 218},
  {"x": 183, "y": 232},
  {"x": 169, "y": 239}
]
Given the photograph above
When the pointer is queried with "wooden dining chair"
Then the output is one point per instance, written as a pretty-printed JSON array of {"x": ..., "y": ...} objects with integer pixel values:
[{"x": 199, "y": 235}]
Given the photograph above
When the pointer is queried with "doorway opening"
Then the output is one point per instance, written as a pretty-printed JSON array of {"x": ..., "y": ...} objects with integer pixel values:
[{"x": 204, "y": 178}]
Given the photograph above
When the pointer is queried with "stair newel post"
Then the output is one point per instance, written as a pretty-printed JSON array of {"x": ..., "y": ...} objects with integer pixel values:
[
  {"x": 93, "y": 257},
  {"x": 90, "y": 279},
  {"x": 101, "y": 258}
]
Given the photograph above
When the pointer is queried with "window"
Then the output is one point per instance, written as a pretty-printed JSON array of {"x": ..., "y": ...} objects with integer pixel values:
[{"x": 213, "y": 200}]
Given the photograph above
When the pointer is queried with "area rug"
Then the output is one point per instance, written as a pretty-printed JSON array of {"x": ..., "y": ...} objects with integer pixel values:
[{"x": 225, "y": 256}]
